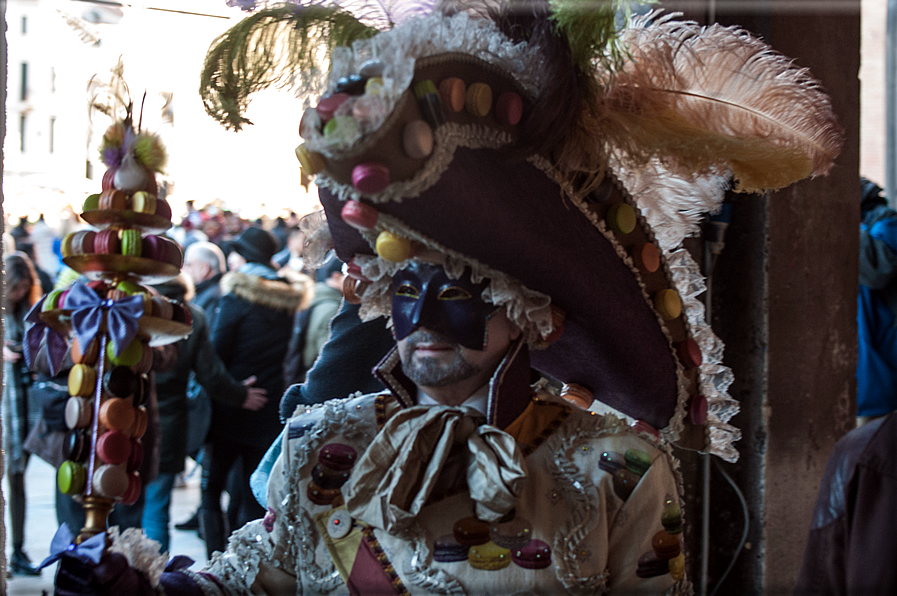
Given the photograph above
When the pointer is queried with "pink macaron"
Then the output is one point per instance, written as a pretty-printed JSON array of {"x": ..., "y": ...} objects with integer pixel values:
[
  {"x": 359, "y": 215},
  {"x": 114, "y": 447},
  {"x": 135, "y": 458},
  {"x": 107, "y": 242},
  {"x": 328, "y": 105},
  {"x": 132, "y": 493},
  {"x": 370, "y": 177},
  {"x": 509, "y": 108},
  {"x": 337, "y": 456}
]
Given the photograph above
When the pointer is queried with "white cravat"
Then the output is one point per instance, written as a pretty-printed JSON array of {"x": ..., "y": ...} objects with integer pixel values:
[{"x": 479, "y": 400}]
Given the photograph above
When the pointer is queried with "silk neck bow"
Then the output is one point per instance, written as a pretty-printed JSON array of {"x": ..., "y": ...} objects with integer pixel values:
[
  {"x": 391, "y": 482},
  {"x": 122, "y": 317}
]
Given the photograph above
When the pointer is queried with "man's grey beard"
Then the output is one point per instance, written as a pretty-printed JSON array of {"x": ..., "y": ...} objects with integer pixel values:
[{"x": 429, "y": 372}]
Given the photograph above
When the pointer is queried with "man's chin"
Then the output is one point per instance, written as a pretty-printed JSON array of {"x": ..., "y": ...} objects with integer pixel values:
[{"x": 437, "y": 372}]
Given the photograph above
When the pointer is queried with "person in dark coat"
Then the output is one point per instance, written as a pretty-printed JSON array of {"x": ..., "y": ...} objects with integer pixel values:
[
  {"x": 197, "y": 355},
  {"x": 311, "y": 327},
  {"x": 205, "y": 264},
  {"x": 851, "y": 547},
  {"x": 364, "y": 344},
  {"x": 251, "y": 333},
  {"x": 877, "y": 306},
  {"x": 20, "y": 413}
]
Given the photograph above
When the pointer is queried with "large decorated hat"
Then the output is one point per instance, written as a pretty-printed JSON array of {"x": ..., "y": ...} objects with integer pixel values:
[{"x": 541, "y": 147}]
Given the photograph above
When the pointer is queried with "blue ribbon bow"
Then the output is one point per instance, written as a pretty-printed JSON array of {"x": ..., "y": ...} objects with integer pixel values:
[
  {"x": 62, "y": 545},
  {"x": 35, "y": 333},
  {"x": 88, "y": 309}
]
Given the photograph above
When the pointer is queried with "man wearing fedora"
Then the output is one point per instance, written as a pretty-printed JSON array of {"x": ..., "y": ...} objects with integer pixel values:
[{"x": 251, "y": 333}]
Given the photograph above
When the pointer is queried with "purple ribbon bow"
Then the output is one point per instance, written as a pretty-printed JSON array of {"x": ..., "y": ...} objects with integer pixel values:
[
  {"x": 62, "y": 545},
  {"x": 88, "y": 309},
  {"x": 35, "y": 332}
]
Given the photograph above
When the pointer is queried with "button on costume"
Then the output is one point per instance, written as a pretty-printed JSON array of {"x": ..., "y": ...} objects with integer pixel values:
[{"x": 510, "y": 185}]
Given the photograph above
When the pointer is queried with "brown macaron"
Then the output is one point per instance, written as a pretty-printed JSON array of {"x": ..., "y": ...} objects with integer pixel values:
[{"x": 113, "y": 199}]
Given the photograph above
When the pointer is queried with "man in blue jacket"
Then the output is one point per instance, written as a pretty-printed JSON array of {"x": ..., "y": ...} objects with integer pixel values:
[{"x": 877, "y": 306}]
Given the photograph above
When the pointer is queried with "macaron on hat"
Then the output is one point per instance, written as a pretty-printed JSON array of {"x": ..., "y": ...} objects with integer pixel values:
[{"x": 542, "y": 147}]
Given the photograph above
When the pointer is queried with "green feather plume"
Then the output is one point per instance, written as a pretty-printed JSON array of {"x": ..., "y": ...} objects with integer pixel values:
[
  {"x": 590, "y": 27},
  {"x": 285, "y": 46}
]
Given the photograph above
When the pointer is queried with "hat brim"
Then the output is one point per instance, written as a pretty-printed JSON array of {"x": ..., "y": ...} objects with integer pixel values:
[{"x": 514, "y": 218}]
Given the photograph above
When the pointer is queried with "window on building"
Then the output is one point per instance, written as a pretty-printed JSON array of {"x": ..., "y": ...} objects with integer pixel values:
[
  {"x": 24, "y": 25},
  {"x": 52, "y": 133},
  {"x": 24, "y": 94},
  {"x": 22, "y": 120}
]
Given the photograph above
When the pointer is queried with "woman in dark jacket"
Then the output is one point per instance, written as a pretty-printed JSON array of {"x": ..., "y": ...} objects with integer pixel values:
[
  {"x": 22, "y": 290},
  {"x": 196, "y": 354},
  {"x": 251, "y": 334}
]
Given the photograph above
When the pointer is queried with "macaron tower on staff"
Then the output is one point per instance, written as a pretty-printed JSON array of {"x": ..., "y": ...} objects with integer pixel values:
[{"x": 112, "y": 322}]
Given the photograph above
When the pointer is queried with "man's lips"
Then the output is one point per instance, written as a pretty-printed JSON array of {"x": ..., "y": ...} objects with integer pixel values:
[{"x": 432, "y": 348}]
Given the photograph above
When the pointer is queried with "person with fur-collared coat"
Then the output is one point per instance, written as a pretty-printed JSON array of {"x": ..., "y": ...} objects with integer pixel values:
[{"x": 251, "y": 333}]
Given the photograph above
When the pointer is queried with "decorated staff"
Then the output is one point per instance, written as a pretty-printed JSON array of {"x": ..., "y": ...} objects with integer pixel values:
[{"x": 109, "y": 323}]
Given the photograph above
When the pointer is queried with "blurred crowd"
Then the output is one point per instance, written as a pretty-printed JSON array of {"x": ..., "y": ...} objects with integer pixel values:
[{"x": 214, "y": 396}]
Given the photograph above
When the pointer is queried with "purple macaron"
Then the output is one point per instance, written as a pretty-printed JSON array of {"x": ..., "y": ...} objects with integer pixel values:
[
  {"x": 535, "y": 555},
  {"x": 448, "y": 550},
  {"x": 337, "y": 456}
]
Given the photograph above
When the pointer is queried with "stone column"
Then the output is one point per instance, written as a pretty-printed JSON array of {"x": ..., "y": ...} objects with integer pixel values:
[{"x": 784, "y": 302}]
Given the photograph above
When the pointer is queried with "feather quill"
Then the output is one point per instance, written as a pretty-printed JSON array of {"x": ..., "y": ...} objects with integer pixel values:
[
  {"x": 700, "y": 99},
  {"x": 287, "y": 46}
]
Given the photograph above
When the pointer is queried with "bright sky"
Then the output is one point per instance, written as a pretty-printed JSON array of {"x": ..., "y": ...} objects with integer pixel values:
[{"x": 254, "y": 171}]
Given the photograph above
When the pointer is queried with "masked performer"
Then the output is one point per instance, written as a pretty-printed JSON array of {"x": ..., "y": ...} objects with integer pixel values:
[{"x": 491, "y": 176}]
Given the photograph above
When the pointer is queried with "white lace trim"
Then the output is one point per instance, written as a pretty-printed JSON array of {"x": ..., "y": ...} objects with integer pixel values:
[
  {"x": 238, "y": 566},
  {"x": 419, "y": 38},
  {"x": 715, "y": 378},
  {"x": 446, "y": 139},
  {"x": 418, "y": 573},
  {"x": 583, "y": 493},
  {"x": 528, "y": 309},
  {"x": 673, "y": 207},
  {"x": 344, "y": 414}
]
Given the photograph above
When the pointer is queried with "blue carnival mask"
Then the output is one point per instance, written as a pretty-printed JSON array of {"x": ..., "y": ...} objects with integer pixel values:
[{"x": 423, "y": 295}]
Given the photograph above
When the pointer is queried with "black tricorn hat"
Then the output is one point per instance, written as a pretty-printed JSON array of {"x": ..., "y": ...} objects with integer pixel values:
[{"x": 541, "y": 158}]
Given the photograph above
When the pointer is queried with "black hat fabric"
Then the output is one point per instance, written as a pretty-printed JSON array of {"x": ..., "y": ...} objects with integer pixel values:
[{"x": 255, "y": 245}]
